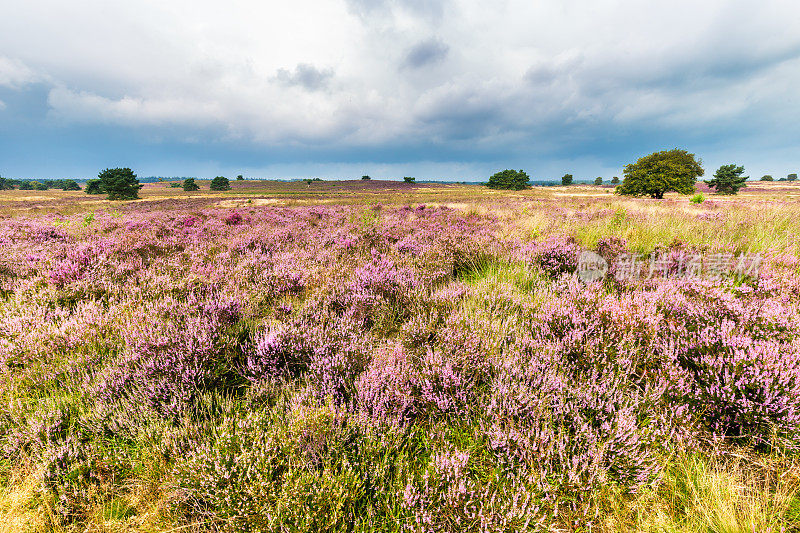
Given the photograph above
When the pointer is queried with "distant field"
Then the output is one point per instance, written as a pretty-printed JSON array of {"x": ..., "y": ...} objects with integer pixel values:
[{"x": 379, "y": 356}]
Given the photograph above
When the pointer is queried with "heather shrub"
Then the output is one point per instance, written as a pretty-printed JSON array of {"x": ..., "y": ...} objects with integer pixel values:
[
  {"x": 451, "y": 496},
  {"x": 556, "y": 255},
  {"x": 166, "y": 364}
]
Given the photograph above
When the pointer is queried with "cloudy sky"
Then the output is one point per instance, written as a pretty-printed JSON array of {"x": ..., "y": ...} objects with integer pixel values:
[{"x": 449, "y": 89}]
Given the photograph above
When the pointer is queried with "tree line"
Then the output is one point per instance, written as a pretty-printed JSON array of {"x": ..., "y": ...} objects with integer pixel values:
[{"x": 652, "y": 175}]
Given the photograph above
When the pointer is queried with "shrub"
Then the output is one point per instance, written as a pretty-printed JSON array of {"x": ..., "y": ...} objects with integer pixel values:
[
  {"x": 698, "y": 198},
  {"x": 409, "y": 179},
  {"x": 728, "y": 179},
  {"x": 556, "y": 255},
  {"x": 791, "y": 177},
  {"x": 5, "y": 184},
  {"x": 598, "y": 180},
  {"x": 71, "y": 185},
  {"x": 365, "y": 177},
  {"x": 239, "y": 178},
  {"x": 766, "y": 177},
  {"x": 661, "y": 172},
  {"x": 615, "y": 180},
  {"x": 566, "y": 179},
  {"x": 94, "y": 187},
  {"x": 220, "y": 183},
  {"x": 190, "y": 185},
  {"x": 120, "y": 184},
  {"x": 509, "y": 179}
]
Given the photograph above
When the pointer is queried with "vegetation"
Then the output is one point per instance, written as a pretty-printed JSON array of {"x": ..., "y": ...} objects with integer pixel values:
[
  {"x": 661, "y": 172},
  {"x": 728, "y": 179},
  {"x": 791, "y": 177},
  {"x": 566, "y": 179},
  {"x": 220, "y": 183},
  {"x": 94, "y": 187},
  {"x": 119, "y": 184},
  {"x": 766, "y": 177},
  {"x": 409, "y": 179},
  {"x": 598, "y": 180},
  {"x": 509, "y": 179},
  {"x": 615, "y": 180},
  {"x": 190, "y": 185},
  {"x": 430, "y": 363},
  {"x": 365, "y": 177},
  {"x": 239, "y": 178},
  {"x": 698, "y": 198}
]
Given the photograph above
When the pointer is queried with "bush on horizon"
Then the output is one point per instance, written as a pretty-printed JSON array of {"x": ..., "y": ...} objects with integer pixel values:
[
  {"x": 509, "y": 179},
  {"x": 119, "y": 184},
  {"x": 220, "y": 183}
]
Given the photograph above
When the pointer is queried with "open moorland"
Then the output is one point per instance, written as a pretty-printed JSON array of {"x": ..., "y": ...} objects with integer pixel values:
[{"x": 376, "y": 356}]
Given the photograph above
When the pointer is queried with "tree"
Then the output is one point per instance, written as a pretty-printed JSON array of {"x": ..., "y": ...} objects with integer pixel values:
[
  {"x": 365, "y": 177},
  {"x": 728, "y": 179},
  {"x": 766, "y": 177},
  {"x": 119, "y": 183},
  {"x": 220, "y": 183},
  {"x": 5, "y": 184},
  {"x": 409, "y": 179},
  {"x": 509, "y": 179},
  {"x": 615, "y": 180},
  {"x": 566, "y": 179},
  {"x": 71, "y": 185},
  {"x": 792, "y": 177},
  {"x": 239, "y": 178},
  {"x": 661, "y": 172},
  {"x": 598, "y": 180},
  {"x": 94, "y": 187},
  {"x": 189, "y": 185}
]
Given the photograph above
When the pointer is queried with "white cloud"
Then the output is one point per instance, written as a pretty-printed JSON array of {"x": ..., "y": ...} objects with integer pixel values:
[{"x": 349, "y": 72}]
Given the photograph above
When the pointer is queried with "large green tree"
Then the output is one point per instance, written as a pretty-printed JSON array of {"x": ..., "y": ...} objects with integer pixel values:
[
  {"x": 220, "y": 183},
  {"x": 566, "y": 179},
  {"x": 661, "y": 172},
  {"x": 119, "y": 183},
  {"x": 509, "y": 179},
  {"x": 728, "y": 179}
]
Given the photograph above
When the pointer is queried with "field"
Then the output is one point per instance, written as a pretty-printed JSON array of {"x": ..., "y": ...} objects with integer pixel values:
[{"x": 375, "y": 356}]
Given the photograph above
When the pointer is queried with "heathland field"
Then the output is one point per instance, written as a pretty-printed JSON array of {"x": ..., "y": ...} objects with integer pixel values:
[{"x": 375, "y": 356}]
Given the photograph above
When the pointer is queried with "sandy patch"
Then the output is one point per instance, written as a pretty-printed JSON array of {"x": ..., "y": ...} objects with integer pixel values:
[{"x": 244, "y": 202}]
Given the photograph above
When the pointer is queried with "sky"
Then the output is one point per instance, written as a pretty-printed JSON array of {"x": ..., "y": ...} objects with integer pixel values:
[{"x": 436, "y": 89}]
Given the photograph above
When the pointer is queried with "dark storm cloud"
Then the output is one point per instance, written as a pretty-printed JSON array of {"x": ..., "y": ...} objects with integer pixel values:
[{"x": 425, "y": 53}]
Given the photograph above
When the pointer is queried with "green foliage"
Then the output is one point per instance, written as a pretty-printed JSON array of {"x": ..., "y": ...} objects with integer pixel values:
[
  {"x": 239, "y": 178},
  {"x": 791, "y": 177},
  {"x": 698, "y": 198},
  {"x": 728, "y": 179},
  {"x": 308, "y": 181},
  {"x": 509, "y": 179},
  {"x": 615, "y": 180},
  {"x": 661, "y": 172},
  {"x": 71, "y": 185},
  {"x": 566, "y": 179},
  {"x": 409, "y": 179},
  {"x": 94, "y": 187},
  {"x": 120, "y": 184},
  {"x": 30, "y": 185},
  {"x": 767, "y": 177},
  {"x": 598, "y": 180},
  {"x": 365, "y": 177},
  {"x": 6, "y": 184},
  {"x": 220, "y": 183},
  {"x": 189, "y": 185}
]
